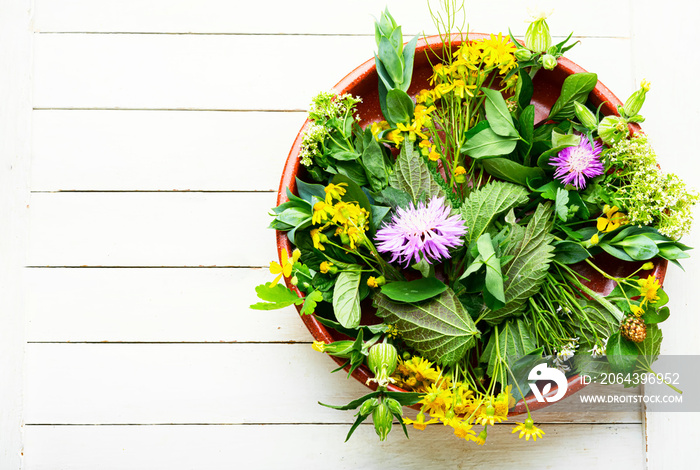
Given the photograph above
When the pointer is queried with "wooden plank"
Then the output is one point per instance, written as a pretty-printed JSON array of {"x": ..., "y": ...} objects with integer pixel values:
[
  {"x": 160, "y": 150},
  {"x": 154, "y": 305},
  {"x": 151, "y": 229},
  {"x": 202, "y": 383},
  {"x": 222, "y": 72},
  {"x": 671, "y": 438},
  {"x": 306, "y": 446},
  {"x": 313, "y": 17},
  {"x": 15, "y": 141}
]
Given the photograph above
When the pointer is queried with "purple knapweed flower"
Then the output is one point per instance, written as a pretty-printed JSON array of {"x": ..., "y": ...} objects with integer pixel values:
[
  {"x": 575, "y": 164},
  {"x": 426, "y": 230}
]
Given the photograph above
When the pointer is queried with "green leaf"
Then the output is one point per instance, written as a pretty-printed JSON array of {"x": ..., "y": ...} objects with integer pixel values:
[
  {"x": 527, "y": 130},
  {"x": 405, "y": 398},
  {"x": 408, "y": 54},
  {"x": 306, "y": 191},
  {"x": 509, "y": 170},
  {"x": 650, "y": 348},
  {"x": 576, "y": 87},
  {"x": 512, "y": 342},
  {"x": 399, "y": 106},
  {"x": 671, "y": 252},
  {"x": 639, "y": 247},
  {"x": 654, "y": 316},
  {"x": 568, "y": 252},
  {"x": 525, "y": 90},
  {"x": 494, "y": 297},
  {"x": 414, "y": 291},
  {"x": 560, "y": 204},
  {"x": 346, "y": 298},
  {"x": 616, "y": 252},
  {"x": 375, "y": 167},
  {"x": 353, "y": 404},
  {"x": 488, "y": 202},
  {"x": 310, "y": 302},
  {"x": 393, "y": 197},
  {"x": 489, "y": 144},
  {"x": 277, "y": 296},
  {"x": 621, "y": 352},
  {"x": 439, "y": 329},
  {"x": 345, "y": 156},
  {"x": 565, "y": 140},
  {"x": 531, "y": 250},
  {"x": 412, "y": 176},
  {"x": 353, "y": 171},
  {"x": 391, "y": 60},
  {"x": 378, "y": 214},
  {"x": 500, "y": 120}
]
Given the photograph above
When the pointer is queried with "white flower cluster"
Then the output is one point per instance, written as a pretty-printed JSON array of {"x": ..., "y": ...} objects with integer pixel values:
[
  {"x": 566, "y": 352},
  {"x": 598, "y": 350},
  {"x": 648, "y": 195},
  {"x": 311, "y": 143}
]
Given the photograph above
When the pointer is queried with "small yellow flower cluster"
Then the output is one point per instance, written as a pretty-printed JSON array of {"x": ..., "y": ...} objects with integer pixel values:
[
  {"x": 453, "y": 404},
  {"x": 351, "y": 220},
  {"x": 649, "y": 291}
]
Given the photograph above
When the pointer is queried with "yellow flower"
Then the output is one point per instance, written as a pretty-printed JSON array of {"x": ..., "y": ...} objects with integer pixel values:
[
  {"x": 460, "y": 174},
  {"x": 335, "y": 191},
  {"x": 462, "y": 89},
  {"x": 372, "y": 282},
  {"x": 503, "y": 402},
  {"x": 378, "y": 127},
  {"x": 462, "y": 428},
  {"x": 595, "y": 239},
  {"x": 285, "y": 269},
  {"x": 487, "y": 415},
  {"x": 637, "y": 310},
  {"x": 319, "y": 346},
  {"x": 611, "y": 220},
  {"x": 424, "y": 96},
  {"x": 420, "y": 423},
  {"x": 317, "y": 238},
  {"x": 648, "y": 288},
  {"x": 439, "y": 71},
  {"x": 395, "y": 136},
  {"x": 443, "y": 89},
  {"x": 325, "y": 267},
  {"x": 433, "y": 156},
  {"x": 436, "y": 399},
  {"x": 528, "y": 429},
  {"x": 321, "y": 212},
  {"x": 481, "y": 438}
]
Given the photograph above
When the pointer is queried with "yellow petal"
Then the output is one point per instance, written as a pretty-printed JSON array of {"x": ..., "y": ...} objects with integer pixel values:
[
  {"x": 275, "y": 268},
  {"x": 601, "y": 224}
]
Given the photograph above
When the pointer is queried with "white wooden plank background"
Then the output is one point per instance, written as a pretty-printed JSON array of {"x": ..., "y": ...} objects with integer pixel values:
[{"x": 148, "y": 281}]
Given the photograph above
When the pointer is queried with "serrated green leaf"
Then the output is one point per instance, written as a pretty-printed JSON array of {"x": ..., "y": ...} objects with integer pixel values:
[
  {"x": 346, "y": 298},
  {"x": 512, "y": 343},
  {"x": 560, "y": 204},
  {"x": 621, "y": 352},
  {"x": 310, "y": 302},
  {"x": 411, "y": 175},
  {"x": 277, "y": 296},
  {"x": 532, "y": 250},
  {"x": 486, "y": 203},
  {"x": 439, "y": 329},
  {"x": 650, "y": 348}
]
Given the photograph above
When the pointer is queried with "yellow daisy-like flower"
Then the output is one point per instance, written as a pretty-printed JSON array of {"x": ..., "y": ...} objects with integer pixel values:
[
  {"x": 420, "y": 423},
  {"x": 462, "y": 428},
  {"x": 436, "y": 399},
  {"x": 321, "y": 212},
  {"x": 481, "y": 438},
  {"x": 285, "y": 269},
  {"x": 648, "y": 288},
  {"x": 433, "y": 156},
  {"x": 325, "y": 267},
  {"x": 378, "y": 127},
  {"x": 461, "y": 89},
  {"x": 335, "y": 191},
  {"x": 395, "y": 136},
  {"x": 317, "y": 238},
  {"x": 637, "y": 310},
  {"x": 487, "y": 415},
  {"x": 424, "y": 96},
  {"x": 442, "y": 89},
  {"x": 611, "y": 220},
  {"x": 372, "y": 282},
  {"x": 528, "y": 429}
]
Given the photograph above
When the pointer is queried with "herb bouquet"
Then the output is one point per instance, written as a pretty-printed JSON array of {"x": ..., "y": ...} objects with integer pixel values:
[{"x": 459, "y": 221}]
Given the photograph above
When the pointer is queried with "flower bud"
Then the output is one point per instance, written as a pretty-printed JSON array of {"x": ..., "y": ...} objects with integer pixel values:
[
  {"x": 537, "y": 37},
  {"x": 549, "y": 62},
  {"x": 368, "y": 406},
  {"x": 460, "y": 174},
  {"x": 648, "y": 266},
  {"x": 394, "y": 406},
  {"x": 585, "y": 115},
  {"x": 612, "y": 129},
  {"x": 383, "y": 420},
  {"x": 382, "y": 361},
  {"x": 523, "y": 54},
  {"x": 634, "y": 103},
  {"x": 338, "y": 348}
]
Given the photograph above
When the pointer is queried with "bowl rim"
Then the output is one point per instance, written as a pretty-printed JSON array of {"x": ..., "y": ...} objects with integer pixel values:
[{"x": 600, "y": 93}]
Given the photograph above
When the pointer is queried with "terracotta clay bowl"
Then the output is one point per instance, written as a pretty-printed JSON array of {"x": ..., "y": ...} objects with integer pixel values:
[{"x": 363, "y": 82}]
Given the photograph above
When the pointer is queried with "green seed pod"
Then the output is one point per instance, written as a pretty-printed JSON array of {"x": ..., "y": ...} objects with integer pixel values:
[
  {"x": 394, "y": 406},
  {"x": 523, "y": 54},
  {"x": 383, "y": 420},
  {"x": 612, "y": 129},
  {"x": 537, "y": 37},
  {"x": 585, "y": 115},
  {"x": 382, "y": 359},
  {"x": 634, "y": 103},
  {"x": 368, "y": 406},
  {"x": 549, "y": 62}
]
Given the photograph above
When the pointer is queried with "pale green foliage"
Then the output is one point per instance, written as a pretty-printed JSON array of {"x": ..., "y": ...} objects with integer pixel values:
[
  {"x": 440, "y": 329},
  {"x": 648, "y": 195}
]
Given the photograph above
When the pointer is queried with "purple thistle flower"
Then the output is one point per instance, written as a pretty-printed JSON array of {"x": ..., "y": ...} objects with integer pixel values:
[
  {"x": 574, "y": 164},
  {"x": 428, "y": 230}
]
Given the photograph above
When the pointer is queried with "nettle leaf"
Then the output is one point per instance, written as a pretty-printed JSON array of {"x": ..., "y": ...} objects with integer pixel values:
[
  {"x": 512, "y": 342},
  {"x": 532, "y": 250},
  {"x": 489, "y": 201},
  {"x": 440, "y": 329},
  {"x": 576, "y": 87},
  {"x": 412, "y": 176},
  {"x": 560, "y": 205},
  {"x": 346, "y": 298},
  {"x": 650, "y": 348}
]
